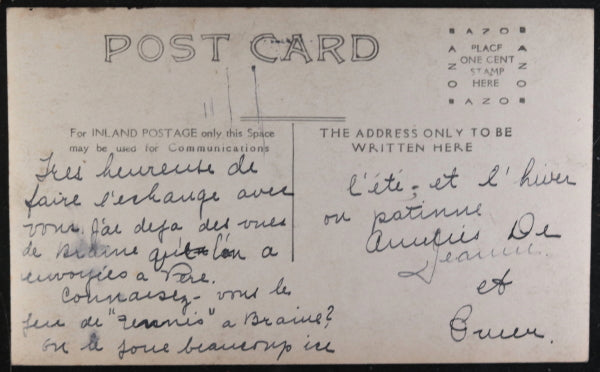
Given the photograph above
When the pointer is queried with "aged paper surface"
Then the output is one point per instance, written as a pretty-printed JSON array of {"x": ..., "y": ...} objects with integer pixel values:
[{"x": 199, "y": 186}]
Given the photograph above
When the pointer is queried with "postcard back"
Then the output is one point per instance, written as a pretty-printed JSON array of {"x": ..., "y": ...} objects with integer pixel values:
[{"x": 240, "y": 186}]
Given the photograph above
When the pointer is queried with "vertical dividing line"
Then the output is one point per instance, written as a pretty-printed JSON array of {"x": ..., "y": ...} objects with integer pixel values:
[
  {"x": 293, "y": 188},
  {"x": 258, "y": 115},
  {"x": 229, "y": 96}
]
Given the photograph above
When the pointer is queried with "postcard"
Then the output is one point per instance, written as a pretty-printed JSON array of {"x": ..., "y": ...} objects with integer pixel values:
[{"x": 299, "y": 186}]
